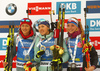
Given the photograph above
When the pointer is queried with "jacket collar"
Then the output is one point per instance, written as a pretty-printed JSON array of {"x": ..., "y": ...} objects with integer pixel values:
[{"x": 47, "y": 36}]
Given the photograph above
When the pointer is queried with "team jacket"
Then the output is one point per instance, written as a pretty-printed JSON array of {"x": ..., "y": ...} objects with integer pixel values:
[
  {"x": 80, "y": 56},
  {"x": 47, "y": 56},
  {"x": 21, "y": 51}
]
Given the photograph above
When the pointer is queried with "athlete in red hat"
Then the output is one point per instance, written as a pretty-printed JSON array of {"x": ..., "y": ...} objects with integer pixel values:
[{"x": 22, "y": 44}]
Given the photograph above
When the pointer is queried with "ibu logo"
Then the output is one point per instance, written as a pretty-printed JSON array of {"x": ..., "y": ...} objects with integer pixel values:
[{"x": 73, "y": 7}]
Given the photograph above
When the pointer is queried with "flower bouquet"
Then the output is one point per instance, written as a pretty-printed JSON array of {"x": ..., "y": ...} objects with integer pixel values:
[
  {"x": 57, "y": 54},
  {"x": 29, "y": 67}
]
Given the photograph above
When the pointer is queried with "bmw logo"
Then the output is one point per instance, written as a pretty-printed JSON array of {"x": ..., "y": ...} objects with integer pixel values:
[{"x": 11, "y": 9}]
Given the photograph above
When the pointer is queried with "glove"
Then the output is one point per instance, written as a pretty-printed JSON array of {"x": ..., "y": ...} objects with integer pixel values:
[
  {"x": 56, "y": 62},
  {"x": 39, "y": 53},
  {"x": 60, "y": 60}
]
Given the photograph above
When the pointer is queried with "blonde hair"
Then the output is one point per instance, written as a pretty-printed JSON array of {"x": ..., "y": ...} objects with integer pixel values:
[{"x": 81, "y": 29}]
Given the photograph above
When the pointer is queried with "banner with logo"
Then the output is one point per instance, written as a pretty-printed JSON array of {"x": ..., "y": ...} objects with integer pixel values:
[
  {"x": 96, "y": 42},
  {"x": 41, "y": 8},
  {"x": 93, "y": 6},
  {"x": 3, "y": 43},
  {"x": 94, "y": 24},
  {"x": 71, "y": 7},
  {"x": 4, "y": 26}
]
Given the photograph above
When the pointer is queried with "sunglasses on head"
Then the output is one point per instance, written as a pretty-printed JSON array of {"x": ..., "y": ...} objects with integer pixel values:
[
  {"x": 41, "y": 20},
  {"x": 27, "y": 20}
]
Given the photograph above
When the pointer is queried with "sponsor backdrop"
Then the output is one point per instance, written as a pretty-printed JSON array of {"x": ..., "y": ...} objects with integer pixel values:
[{"x": 11, "y": 11}]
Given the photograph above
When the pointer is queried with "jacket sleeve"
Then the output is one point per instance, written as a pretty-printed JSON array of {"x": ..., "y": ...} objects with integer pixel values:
[
  {"x": 65, "y": 56},
  {"x": 93, "y": 57},
  {"x": 36, "y": 49}
]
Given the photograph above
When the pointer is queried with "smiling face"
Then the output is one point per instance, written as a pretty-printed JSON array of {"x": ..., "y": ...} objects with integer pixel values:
[
  {"x": 43, "y": 29},
  {"x": 25, "y": 28},
  {"x": 71, "y": 28}
]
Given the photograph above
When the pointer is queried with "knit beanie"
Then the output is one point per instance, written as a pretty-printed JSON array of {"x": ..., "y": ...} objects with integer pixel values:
[
  {"x": 26, "y": 21},
  {"x": 29, "y": 22}
]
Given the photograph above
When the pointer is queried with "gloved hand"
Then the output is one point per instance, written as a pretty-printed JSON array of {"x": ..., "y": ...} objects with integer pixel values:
[
  {"x": 56, "y": 62},
  {"x": 39, "y": 53}
]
